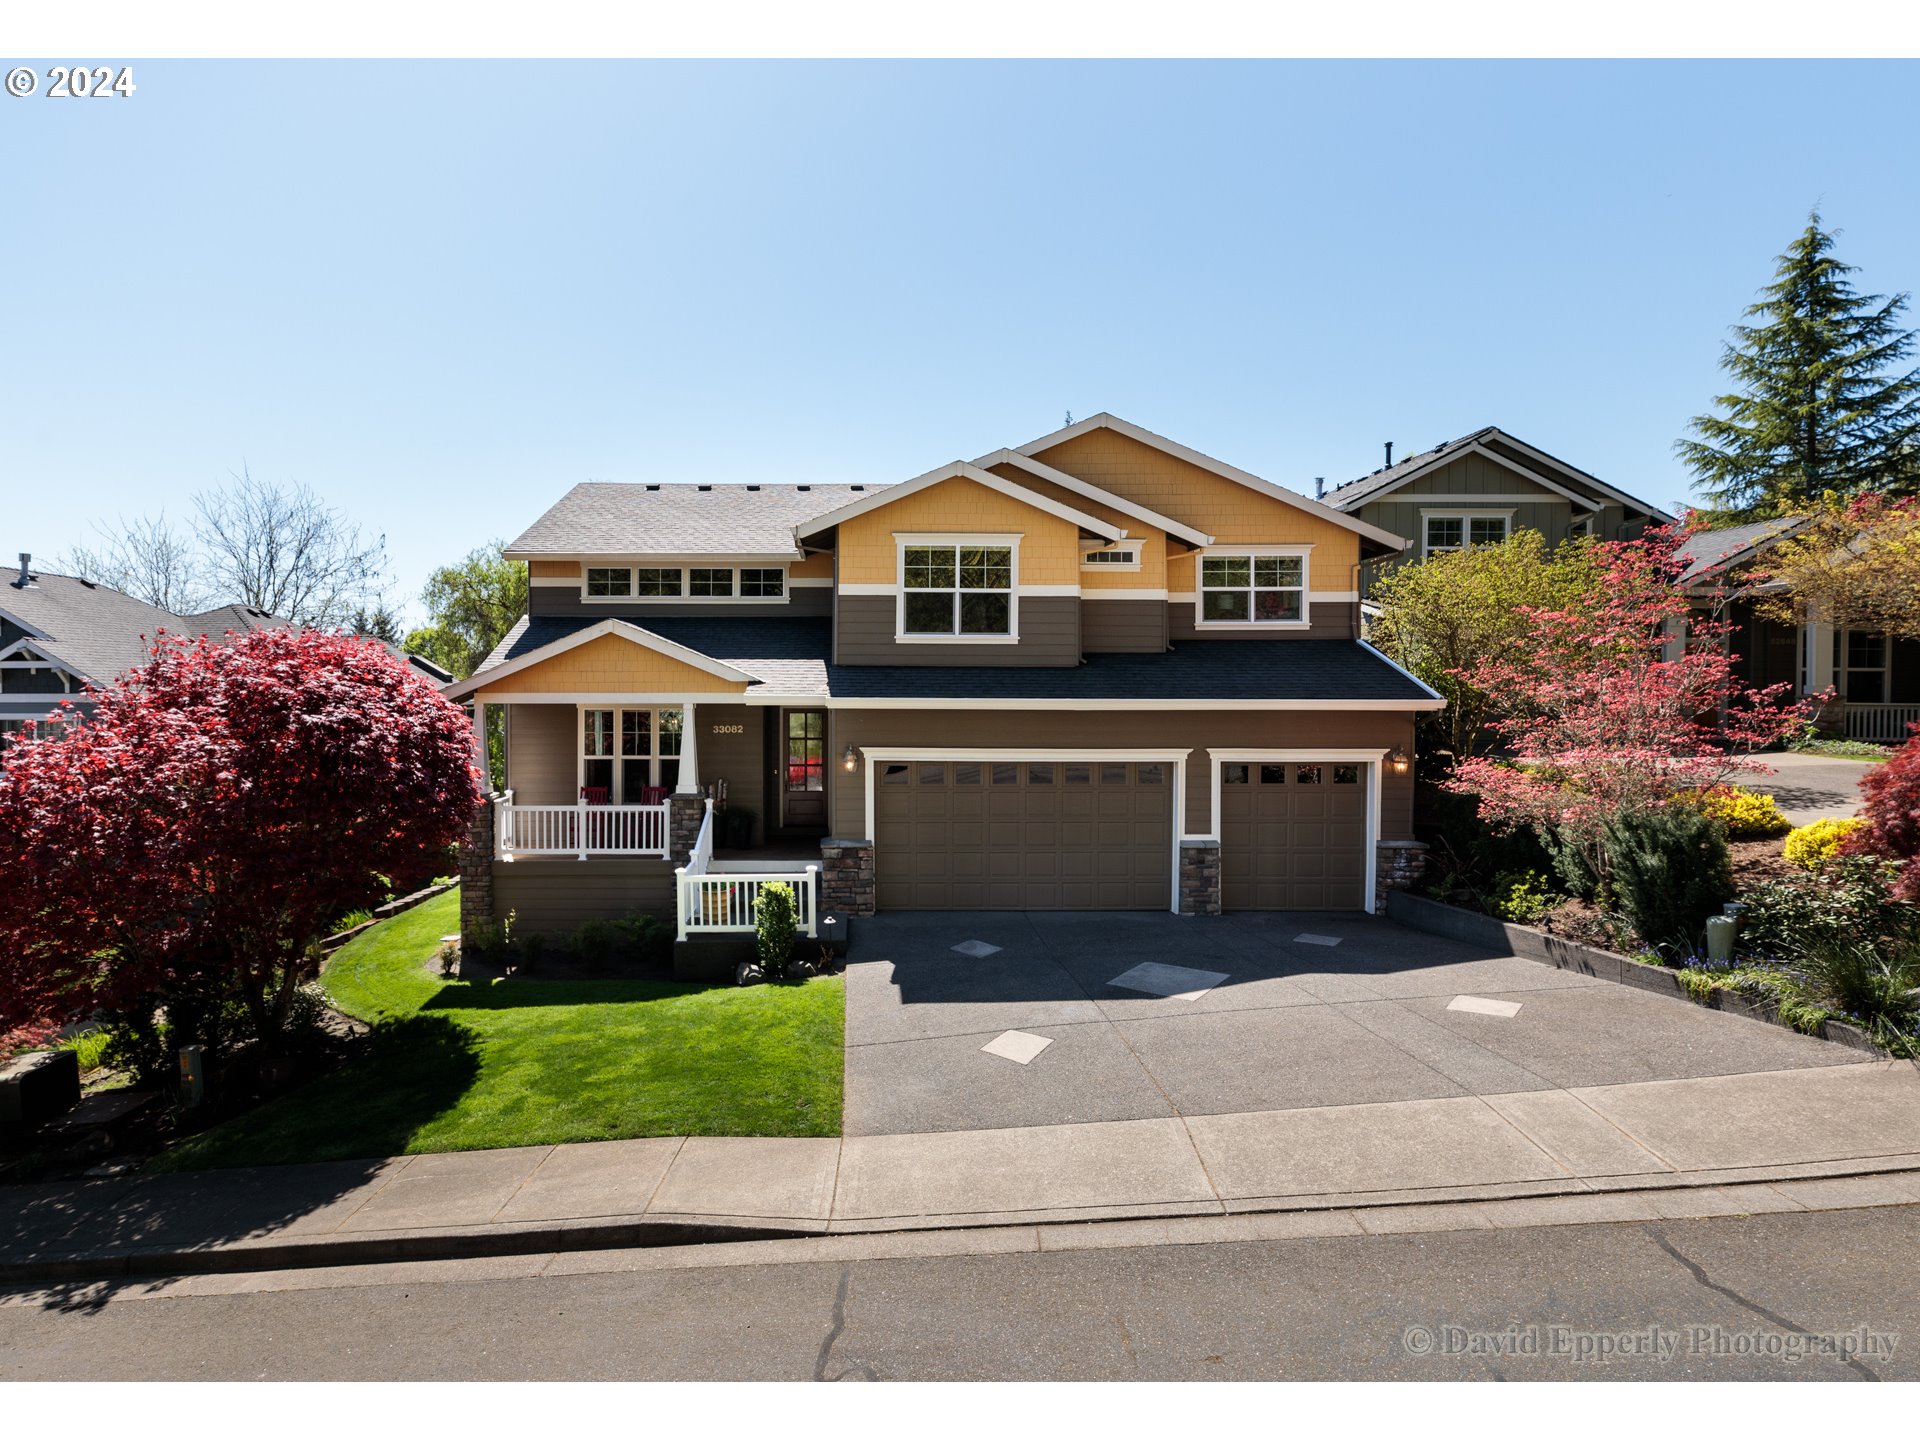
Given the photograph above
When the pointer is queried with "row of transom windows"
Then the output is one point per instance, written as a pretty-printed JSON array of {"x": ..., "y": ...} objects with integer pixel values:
[{"x": 697, "y": 582}]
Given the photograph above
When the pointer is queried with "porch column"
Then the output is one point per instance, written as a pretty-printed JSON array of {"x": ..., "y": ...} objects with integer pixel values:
[
  {"x": 689, "y": 757},
  {"x": 480, "y": 747}
]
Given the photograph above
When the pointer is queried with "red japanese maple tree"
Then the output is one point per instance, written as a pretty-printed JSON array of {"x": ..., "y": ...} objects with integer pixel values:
[
  {"x": 1619, "y": 704},
  {"x": 1891, "y": 810},
  {"x": 223, "y": 804}
]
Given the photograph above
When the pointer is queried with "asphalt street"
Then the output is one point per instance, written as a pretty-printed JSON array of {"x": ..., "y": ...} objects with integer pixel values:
[{"x": 1724, "y": 1299}]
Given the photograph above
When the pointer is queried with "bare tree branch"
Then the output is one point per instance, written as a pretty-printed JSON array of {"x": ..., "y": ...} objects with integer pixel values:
[
  {"x": 148, "y": 559},
  {"x": 284, "y": 550}
]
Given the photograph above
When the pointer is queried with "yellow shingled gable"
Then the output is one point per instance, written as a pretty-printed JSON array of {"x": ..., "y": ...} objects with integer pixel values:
[
  {"x": 611, "y": 664},
  {"x": 1049, "y": 546}
]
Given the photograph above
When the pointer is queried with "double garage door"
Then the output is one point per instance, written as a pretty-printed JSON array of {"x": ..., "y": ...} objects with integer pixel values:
[
  {"x": 1046, "y": 835},
  {"x": 1023, "y": 835}
]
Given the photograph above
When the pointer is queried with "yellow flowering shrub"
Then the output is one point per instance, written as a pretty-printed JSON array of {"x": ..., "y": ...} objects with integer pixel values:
[
  {"x": 1744, "y": 814},
  {"x": 1811, "y": 846}
]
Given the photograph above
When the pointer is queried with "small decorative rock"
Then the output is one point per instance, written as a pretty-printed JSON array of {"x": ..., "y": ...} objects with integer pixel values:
[{"x": 748, "y": 973}]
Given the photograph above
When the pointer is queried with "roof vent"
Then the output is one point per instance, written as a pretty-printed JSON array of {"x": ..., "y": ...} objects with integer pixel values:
[
  {"x": 753, "y": 487},
  {"x": 653, "y": 487},
  {"x": 1319, "y": 486},
  {"x": 706, "y": 487},
  {"x": 1389, "y": 464},
  {"x": 803, "y": 488},
  {"x": 856, "y": 487},
  {"x": 26, "y": 571}
]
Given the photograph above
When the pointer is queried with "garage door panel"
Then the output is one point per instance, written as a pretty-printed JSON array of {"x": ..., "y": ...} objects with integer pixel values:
[
  {"x": 1035, "y": 835},
  {"x": 1293, "y": 837}
]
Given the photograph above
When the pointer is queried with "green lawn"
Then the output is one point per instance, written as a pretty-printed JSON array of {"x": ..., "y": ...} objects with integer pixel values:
[{"x": 458, "y": 1066}]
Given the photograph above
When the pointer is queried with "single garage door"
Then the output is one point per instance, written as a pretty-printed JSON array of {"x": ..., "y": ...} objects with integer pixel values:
[
  {"x": 1023, "y": 835},
  {"x": 1294, "y": 837}
]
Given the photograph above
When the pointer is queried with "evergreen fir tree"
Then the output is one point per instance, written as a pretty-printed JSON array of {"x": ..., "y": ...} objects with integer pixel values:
[{"x": 1824, "y": 405}]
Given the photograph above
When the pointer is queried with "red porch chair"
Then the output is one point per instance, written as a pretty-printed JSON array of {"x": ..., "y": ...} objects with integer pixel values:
[
  {"x": 594, "y": 794},
  {"x": 653, "y": 795}
]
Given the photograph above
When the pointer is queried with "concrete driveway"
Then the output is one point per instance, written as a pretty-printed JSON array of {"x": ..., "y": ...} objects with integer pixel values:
[
  {"x": 1295, "y": 1024},
  {"x": 1811, "y": 787}
]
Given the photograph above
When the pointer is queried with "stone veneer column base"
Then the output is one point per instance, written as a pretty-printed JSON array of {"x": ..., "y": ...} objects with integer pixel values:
[
  {"x": 1199, "y": 877},
  {"x": 1398, "y": 865},
  {"x": 476, "y": 874},
  {"x": 846, "y": 876},
  {"x": 685, "y": 813}
]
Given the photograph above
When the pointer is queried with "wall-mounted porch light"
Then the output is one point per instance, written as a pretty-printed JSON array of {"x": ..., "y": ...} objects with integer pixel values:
[
  {"x": 1398, "y": 759},
  {"x": 850, "y": 761}
]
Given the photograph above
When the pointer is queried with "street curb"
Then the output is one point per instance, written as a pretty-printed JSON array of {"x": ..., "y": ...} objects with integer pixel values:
[
  {"x": 1453, "y": 923},
  {"x": 555, "y": 1237}
]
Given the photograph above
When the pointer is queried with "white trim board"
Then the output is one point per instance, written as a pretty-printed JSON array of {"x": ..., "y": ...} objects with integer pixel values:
[
  {"x": 1174, "y": 759},
  {"x": 815, "y": 701},
  {"x": 1094, "y": 492},
  {"x": 626, "y": 630},
  {"x": 1105, "y": 421},
  {"x": 957, "y": 470}
]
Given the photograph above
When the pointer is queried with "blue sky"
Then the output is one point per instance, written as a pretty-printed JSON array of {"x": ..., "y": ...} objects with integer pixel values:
[{"x": 439, "y": 294}]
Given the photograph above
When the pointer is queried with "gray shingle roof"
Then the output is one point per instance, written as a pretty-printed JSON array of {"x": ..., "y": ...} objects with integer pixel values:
[
  {"x": 790, "y": 656},
  {"x": 1706, "y": 551},
  {"x": 95, "y": 630},
  {"x": 1345, "y": 497},
  {"x": 597, "y": 518}
]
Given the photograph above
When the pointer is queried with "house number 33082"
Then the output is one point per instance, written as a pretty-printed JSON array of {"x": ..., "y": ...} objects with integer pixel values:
[{"x": 729, "y": 730}]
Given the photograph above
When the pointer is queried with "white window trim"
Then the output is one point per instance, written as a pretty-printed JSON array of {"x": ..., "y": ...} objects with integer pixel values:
[
  {"x": 903, "y": 540},
  {"x": 1222, "y": 552},
  {"x": 1372, "y": 760},
  {"x": 1463, "y": 516},
  {"x": 873, "y": 756},
  {"x": 684, "y": 598},
  {"x": 1130, "y": 549},
  {"x": 653, "y": 760}
]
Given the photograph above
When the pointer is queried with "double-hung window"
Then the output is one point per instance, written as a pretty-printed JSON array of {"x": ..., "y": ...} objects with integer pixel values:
[
  {"x": 1457, "y": 532},
  {"x": 956, "y": 589},
  {"x": 1253, "y": 589},
  {"x": 628, "y": 751}
]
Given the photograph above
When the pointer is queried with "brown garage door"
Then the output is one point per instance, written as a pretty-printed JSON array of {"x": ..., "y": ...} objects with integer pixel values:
[
  {"x": 1023, "y": 835},
  {"x": 1294, "y": 838}
]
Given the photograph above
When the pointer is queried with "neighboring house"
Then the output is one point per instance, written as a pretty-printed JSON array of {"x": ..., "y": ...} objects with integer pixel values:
[
  {"x": 59, "y": 634},
  {"x": 1101, "y": 671},
  {"x": 1875, "y": 678},
  {"x": 1479, "y": 489}
]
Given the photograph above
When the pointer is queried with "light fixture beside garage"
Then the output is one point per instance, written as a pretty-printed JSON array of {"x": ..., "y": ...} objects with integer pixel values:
[
  {"x": 1398, "y": 759},
  {"x": 850, "y": 761}
]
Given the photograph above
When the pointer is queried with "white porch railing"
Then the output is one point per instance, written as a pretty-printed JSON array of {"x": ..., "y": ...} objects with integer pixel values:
[
  {"x": 712, "y": 904},
  {"x": 580, "y": 830},
  {"x": 1883, "y": 724}
]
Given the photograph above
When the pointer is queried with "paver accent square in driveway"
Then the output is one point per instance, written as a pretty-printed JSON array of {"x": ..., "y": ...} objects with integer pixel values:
[
  {"x": 1174, "y": 982},
  {"x": 976, "y": 949},
  {"x": 1017, "y": 1046},
  {"x": 1474, "y": 1005},
  {"x": 1339, "y": 1149},
  {"x": 758, "y": 1179},
  {"x": 1135, "y": 1162},
  {"x": 1306, "y": 939}
]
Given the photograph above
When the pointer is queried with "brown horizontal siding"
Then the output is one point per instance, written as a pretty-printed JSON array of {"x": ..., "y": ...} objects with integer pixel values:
[
  {"x": 556, "y": 896},
  {"x": 542, "y": 766},
  {"x": 964, "y": 728},
  {"x": 1326, "y": 620},
  {"x": 1049, "y": 635},
  {"x": 807, "y": 600},
  {"x": 1122, "y": 627}
]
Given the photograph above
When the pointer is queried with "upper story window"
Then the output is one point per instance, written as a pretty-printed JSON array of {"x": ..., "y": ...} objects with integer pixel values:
[
  {"x": 605, "y": 582},
  {"x": 1457, "y": 532},
  {"x": 1253, "y": 589},
  {"x": 1115, "y": 557},
  {"x": 675, "y": 582},
  {"x": 956, "y": 590}
]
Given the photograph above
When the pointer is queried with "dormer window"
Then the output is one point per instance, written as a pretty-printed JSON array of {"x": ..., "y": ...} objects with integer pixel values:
[
  {"x": 606, "y": 583},
  {"x": 653, "y": 583},
  {"x": 956, "y": 590},
  {"x": 710, "y": 584},
  {"x": 675, "y": 582}
]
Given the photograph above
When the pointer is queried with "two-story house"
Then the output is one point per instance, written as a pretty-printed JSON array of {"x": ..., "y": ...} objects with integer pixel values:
[
  {"x": 1101, "y": 671},
  {"x": 1480, "y": 489}
]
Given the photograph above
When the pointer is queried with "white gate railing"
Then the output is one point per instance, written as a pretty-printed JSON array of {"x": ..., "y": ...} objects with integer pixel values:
[
  {"x": 580, "y": 830},
  {"x": 710, "y": 904},
  {"x": 1883, "y": 724}
]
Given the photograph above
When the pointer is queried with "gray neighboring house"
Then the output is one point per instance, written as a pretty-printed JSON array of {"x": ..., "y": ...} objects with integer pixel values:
[
  {"x": 1480, "y": 489},
  {"x": 60, "y": 634}
]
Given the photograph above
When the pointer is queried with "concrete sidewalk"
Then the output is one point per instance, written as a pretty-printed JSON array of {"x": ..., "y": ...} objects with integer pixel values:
[{"x": 1780, "y": 1125}]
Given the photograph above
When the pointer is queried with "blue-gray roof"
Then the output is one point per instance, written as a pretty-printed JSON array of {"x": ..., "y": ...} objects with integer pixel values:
[{"x": 791, "y": 657}]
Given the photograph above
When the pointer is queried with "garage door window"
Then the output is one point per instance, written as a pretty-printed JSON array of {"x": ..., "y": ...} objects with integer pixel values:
[
  {"x": 1153, "y": 774},
  {"x": 1307, "y": 775},
  {"x": 1233, "y": 774},
  {"x": 894, "y": 775},
  {"x": 1273, "y": 774},
  {"x": 1346, "y": 774}
]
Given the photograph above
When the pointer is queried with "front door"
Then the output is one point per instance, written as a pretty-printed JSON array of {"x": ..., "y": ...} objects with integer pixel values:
[{"x": 804, "y": 773}]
